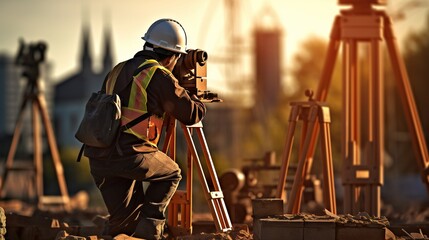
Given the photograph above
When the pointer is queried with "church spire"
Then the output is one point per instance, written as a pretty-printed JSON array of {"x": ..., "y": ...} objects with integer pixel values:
[
  {"x": 107, "y": 51},
  {"x": 86, "y": 59}
]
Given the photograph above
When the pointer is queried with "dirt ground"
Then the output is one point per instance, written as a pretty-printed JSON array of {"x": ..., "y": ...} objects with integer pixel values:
[{"x": 87, "y": 224}]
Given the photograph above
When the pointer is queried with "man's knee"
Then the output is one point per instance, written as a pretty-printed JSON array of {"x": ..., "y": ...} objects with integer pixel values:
[{"x": 177, "y": 172}]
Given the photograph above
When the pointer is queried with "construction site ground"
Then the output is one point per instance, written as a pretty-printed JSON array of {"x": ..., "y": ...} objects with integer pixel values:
[{"x": 21, "y": 221}]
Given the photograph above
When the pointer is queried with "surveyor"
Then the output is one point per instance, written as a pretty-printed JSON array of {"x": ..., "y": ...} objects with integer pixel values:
[{"x": 119, "y": 172}]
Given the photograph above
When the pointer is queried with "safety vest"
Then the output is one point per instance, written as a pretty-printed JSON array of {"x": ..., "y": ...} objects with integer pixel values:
[{"x": 150, "y": 128}]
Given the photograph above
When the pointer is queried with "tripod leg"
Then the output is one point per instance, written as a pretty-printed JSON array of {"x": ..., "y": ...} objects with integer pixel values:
[
  {"x": 41, "y": 103},
  {"x": 37, "y": 147},
  {"x": 182, "y": 201},
  {"x": 408, "y": 102},
  {"x": 376, "y": 133},
  {"x": 14, "y": 144},
  {"x": 328, "y": 169},
  {"x": 170, "y": 137},
  {"x": 298, "y": 184},
  {"x": 329, "y": 64},
  {"x": 288, "y": 149},
  {"x": 182, "y": 198},
  {"x": 219, "y": 204},
  {"x": 209, "y": 160},
  {"x": 303, "y": 153},
  {"x": 216, "y": 204},
  {"x": 188, "y": 207},
  {"x": 351, "y": 136}
]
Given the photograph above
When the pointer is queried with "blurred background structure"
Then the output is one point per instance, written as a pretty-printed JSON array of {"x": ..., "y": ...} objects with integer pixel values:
[{"x": 262, "y": 55}]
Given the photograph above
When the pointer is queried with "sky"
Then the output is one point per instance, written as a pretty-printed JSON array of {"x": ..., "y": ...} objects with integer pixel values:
[{"x": 59, "y": 23}]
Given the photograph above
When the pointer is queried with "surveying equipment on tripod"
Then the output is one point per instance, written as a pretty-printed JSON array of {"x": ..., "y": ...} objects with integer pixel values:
[
  {"x": 29, "y": 57},
  {"x": 191, "y": 71},
  {"x": 312, "y": 114},
  {"x": 363, "y": 156}
]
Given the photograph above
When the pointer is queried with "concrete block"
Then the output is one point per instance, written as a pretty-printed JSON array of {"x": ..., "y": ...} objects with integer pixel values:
[
  {"x": 358, "y": 233},
  {"x": 319, "y": 229},
  {"x": 265, "y": 207},
  {"x": 278, "y": 229}
]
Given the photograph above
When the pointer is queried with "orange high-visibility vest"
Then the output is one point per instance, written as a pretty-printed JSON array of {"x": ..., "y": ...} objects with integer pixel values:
[{"x": 150, "y": 128}]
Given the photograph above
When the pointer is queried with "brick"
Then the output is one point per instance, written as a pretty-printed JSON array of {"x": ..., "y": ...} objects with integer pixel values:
[
  {"x": 319, "y": 229},
  {"x": 278, "y": 229},
  {"x": 358, "y": 233},
  {"x": 265, "y": 207}
]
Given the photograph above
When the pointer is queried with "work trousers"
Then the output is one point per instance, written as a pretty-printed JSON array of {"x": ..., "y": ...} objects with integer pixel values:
[{"x": 133, "y": 210}]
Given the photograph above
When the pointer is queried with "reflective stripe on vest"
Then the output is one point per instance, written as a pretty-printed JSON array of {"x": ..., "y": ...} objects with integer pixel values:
[{"x": 150, "y": 128}]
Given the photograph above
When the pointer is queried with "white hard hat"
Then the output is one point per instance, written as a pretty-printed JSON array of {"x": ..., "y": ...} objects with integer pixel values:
[{"x": 167, "y": 34}]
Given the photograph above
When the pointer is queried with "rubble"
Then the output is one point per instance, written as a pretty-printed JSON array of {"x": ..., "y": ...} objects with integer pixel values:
[
  {"x": 360, "y": 220},
  {"x": 239, "y": 235},
  {"x": 269, "y": 223},
  {"x": 84, "y": 225},
  {"x": 2, "y": 224}
]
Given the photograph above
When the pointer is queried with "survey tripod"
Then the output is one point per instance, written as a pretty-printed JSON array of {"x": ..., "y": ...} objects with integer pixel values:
[
  {"x": 30, "y": 58},
  {"x": 181, "y": 201},
  {"x": 312, "y": 114},
  {"x": 362, "y": 173}
]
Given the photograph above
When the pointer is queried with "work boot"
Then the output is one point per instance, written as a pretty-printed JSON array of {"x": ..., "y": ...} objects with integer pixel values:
[
  {"x": 123, "y": 236},
  {"x": 150, "y": 228}
]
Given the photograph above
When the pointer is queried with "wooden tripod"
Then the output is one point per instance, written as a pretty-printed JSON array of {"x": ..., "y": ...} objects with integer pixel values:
[
  {"x": 363, "y": 158},
  {"x": 182, "y": 200},
  {"x": 312, "y": 114},
  {"x": 33, "y": 96}
]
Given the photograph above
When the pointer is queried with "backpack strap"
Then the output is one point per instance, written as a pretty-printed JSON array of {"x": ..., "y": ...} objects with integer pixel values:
[
  {"x": 79, "y": 156},
  {"x": 113, "y": 75},
  {"x": 146, "y": 64},
  {"x": 135, "y": 121},
  {"x": 130, "y": 125}
]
